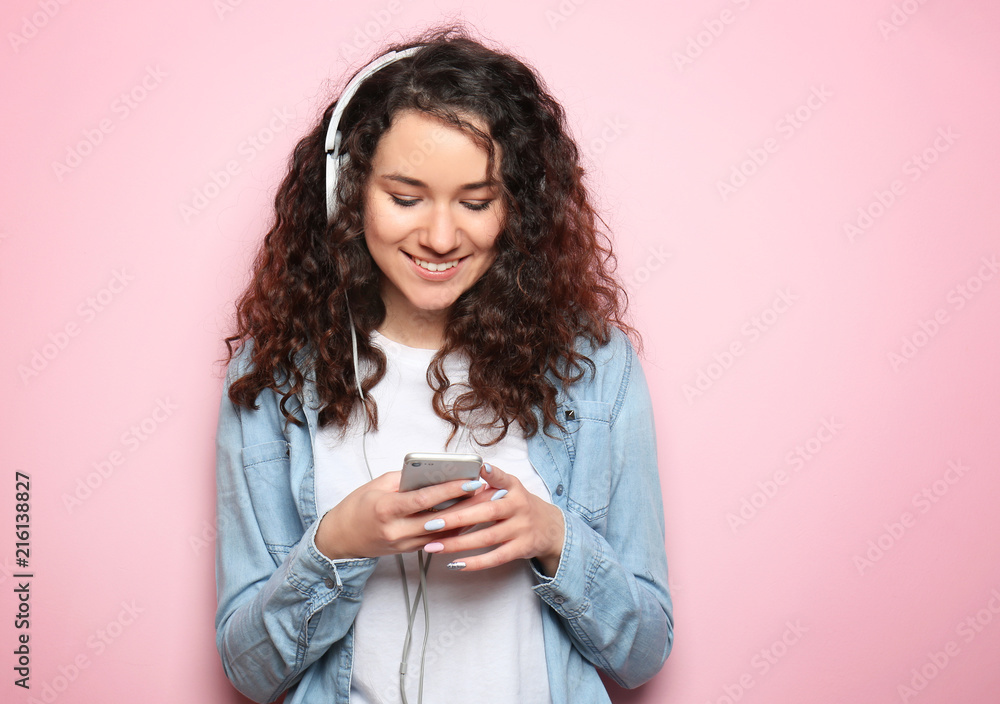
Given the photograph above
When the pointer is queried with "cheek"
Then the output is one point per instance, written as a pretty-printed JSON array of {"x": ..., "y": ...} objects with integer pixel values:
[
  {"x": 488, "y": 256},
  {"x": 487, "y": 234},
  {"x": 384, "y": 225}
]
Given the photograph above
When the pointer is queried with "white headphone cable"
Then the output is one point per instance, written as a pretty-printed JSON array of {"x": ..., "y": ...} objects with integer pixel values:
[{"x": 422, "y": 565}]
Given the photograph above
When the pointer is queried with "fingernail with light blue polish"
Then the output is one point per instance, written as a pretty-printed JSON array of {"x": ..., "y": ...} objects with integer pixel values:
[
  {"x": 488, "y": 467},
  {"x": 473, "y": 485},
  {"x": 456, "y": 565},
  {"x": 499, "y": 495},
  {"x": 434, "y": 524}
]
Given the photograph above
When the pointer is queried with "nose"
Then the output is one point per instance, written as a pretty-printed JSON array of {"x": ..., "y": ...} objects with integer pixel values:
[{"x": 442, "y": 233}]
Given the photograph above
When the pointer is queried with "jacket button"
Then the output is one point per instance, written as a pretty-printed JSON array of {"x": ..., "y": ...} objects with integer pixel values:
[
  {"x": 559, "y": 599},
  {"x": 559, "y": 490},
  {"x": 328, "y": 581}
]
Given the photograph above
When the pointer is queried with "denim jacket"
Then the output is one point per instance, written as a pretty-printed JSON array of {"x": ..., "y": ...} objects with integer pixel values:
[{"x": 286, "y": 612}]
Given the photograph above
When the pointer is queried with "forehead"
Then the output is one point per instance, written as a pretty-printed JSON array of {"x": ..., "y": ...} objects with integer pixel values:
[{"x": 418, "y": 143}]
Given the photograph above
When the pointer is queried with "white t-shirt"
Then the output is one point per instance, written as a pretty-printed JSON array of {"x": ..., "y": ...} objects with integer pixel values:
[{"x": 485, "y": 642}]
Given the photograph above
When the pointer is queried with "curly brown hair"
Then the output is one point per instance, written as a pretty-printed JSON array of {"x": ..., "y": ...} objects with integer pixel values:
[{"x": 551, "y": 283}]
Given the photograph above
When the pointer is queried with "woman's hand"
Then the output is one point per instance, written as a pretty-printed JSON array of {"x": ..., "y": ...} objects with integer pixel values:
[
  {"x": 377, "y": 519},
  {"x": 524, "y": 526}
]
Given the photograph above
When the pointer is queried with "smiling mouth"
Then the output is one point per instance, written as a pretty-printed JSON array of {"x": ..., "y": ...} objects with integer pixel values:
[{"x": 433, "y": 266}]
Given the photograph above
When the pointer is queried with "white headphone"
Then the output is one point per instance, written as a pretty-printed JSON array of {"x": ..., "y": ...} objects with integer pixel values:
[{"x": 335, "y": 162}]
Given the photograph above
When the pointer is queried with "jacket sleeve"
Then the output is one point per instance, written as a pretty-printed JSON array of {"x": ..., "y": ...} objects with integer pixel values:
[
  {"x": 610, "y": 588},
  {"x": 281, "y": 603}
]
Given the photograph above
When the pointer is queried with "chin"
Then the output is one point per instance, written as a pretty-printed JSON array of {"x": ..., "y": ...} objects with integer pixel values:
[
  {"x": 433, "y": 309},
  {"x": 433, "y": 302}
]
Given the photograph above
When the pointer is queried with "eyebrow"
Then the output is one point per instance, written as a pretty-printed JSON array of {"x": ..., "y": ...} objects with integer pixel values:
[{"x": 420, "y": 184}]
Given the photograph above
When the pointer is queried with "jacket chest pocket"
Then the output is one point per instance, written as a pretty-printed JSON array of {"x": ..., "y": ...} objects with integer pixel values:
[
  {"x": 588, "y": 441},
  {"x": 267, "y": 468}
]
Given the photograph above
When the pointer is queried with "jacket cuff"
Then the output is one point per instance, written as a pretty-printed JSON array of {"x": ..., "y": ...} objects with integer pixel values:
[
  {"x": 321, "y": 579},
  {"x": 568, "y": 592}
]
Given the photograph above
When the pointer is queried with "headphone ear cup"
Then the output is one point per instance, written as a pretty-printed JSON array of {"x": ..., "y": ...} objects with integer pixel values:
[
  {"x": 335, "y": 165},
  {"x": 336, "y": 162},
  {"x": 340, "y": 163}
]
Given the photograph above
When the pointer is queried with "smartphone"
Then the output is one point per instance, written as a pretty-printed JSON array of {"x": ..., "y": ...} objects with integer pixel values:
[{"x": 422, "y": 469}]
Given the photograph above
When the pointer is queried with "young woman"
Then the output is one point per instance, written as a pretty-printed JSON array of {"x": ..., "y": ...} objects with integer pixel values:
[{"x": 456, "y": 295}]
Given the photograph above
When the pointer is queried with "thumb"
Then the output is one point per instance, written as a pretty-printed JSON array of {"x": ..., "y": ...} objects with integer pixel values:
[{"x": 494, "y": 476}]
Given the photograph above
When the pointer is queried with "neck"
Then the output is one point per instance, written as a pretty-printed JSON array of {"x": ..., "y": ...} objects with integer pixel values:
[
  {"x": 414, "y": 328},
  {"x": 411, "y": 326},
  {"x": 413, "y": 332}
]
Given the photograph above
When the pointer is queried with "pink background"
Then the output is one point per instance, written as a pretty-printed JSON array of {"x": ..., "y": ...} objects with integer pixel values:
[{"x": 770, "y": 329}]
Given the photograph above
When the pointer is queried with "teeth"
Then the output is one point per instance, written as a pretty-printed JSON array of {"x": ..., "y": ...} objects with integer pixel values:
[{"x": 431, "y": 266}]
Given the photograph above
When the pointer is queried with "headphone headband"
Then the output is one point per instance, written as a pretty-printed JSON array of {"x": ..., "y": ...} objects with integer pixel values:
[{"x": 335, "y": 161}]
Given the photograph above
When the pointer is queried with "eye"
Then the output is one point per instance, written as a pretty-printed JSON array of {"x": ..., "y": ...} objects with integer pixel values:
[
  {"x": 478, "y": 206},
  {"x": 405, "y": 202},
  {"x": 409, "y": 202}
]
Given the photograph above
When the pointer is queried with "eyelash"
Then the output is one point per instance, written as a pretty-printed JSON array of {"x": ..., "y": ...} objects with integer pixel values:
[{"x": 406, "y": 203}]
